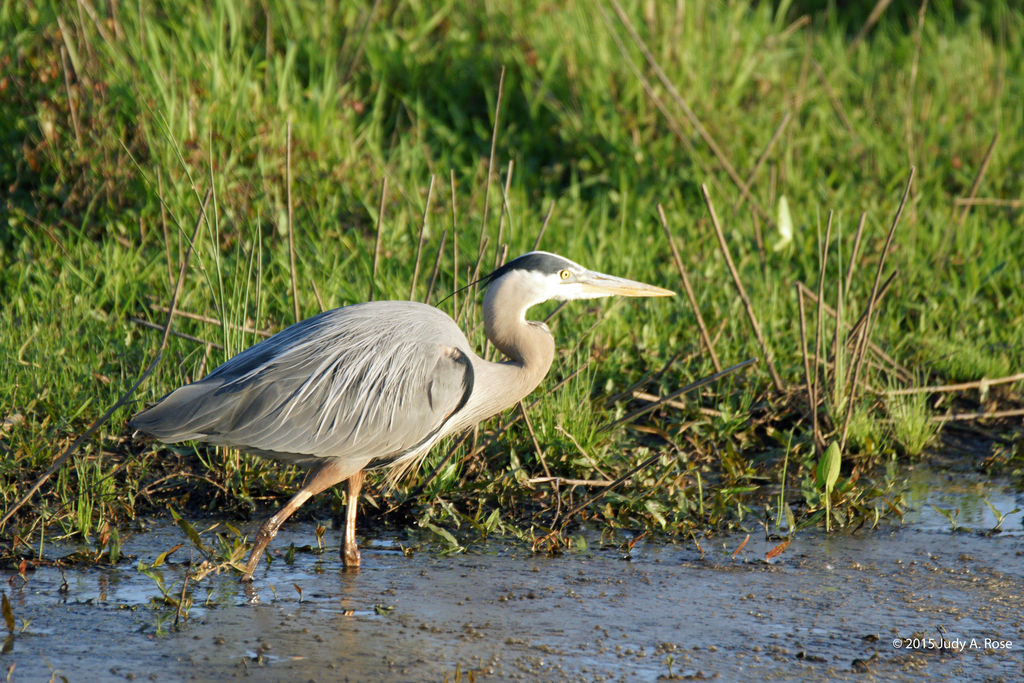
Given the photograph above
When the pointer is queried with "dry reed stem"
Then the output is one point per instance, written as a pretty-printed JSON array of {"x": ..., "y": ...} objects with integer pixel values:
[
  {"x": 642, "y": 466},
  {"x": 818, "y": 325},
  {"x": 776, "y": 380},
  {"x": 248, "y": 329},
  {"x": 678, "y": 392},
  {"x": 73, "y": 109},
  {"x": 851, "y": 266},
  {"x": 670, "y": 87},
  {"x": 163, "y": 227},
  {"x": 865, "y": 337},
  {"x": 852, "y": 338},
  {"x": 455, "y": 248},
  {"x": 544, "y": 225},
  {"x": 99, "y": 422},
  {"x": 749, "y": 181},
  {"x": 316, "y": 294},
  {"x": 837, "y": 105},
  {"x": 876, "y": 14},
  {"x": 533, "y": 437},
  {"x": 569, "y": 482},
  {"x": 689, "y": 291},
  {"x": 376, "y": 243},
  {"x": 990, "y": 415},
  {"x": 180, "y": 335},
  {"x": 291, "y": 223},
  {"x": 943, "y": 388},
  {"x": 490, "y": 158},
  {"x": 971, "y": 200},
  {"x": 807, "y": 365},
  {"x": 437, "y": 266},
  {"x": 989, "y": 201},
  {"x": 504, "y": 211},
  {"x": 473, "y": 278},
  {"x": 419, "y": 244}
]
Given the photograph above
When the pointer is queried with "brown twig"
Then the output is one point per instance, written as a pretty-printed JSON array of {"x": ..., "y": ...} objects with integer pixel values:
[
  {"x": 818, "y": 325},
  {"x": 490, "y": 159},
  {"x": 852, "y": 338},
  {"x": 437, "y": 266},
  {"x": 504, "y": 212},
  {"x": 544, "y": 225},
  {"x": 570, "y": 482},
  {"x": 962, "y": 386},
  {"x": 989, "y": 201},
  {"x": 689, "y": 291},
  {"x": 533, "y": 437},
  {"x": 852, "y": 264},
  {"x": 837, "y": 105},
  {"x": 207, "y": 319},
  {"x": 762, "y": 158},
  {"x": 376, "y": 243},
  {"x": 865, "y": 337},
  {"x": 642, "y": 466},
  {"x": 419, "y": 244},
  {"x": 179, "y": 335},
  {"x": 678, "y": 392},
  {"x": 291, "y": 223},
  {"x": 455, "y": 250},
  {"x": 742, "y": 292},
  {"x": 876, "y": 14},
  {"x": 812, "y": 403},
  {"x": 71, "y": 102},
  {"x": 994, "y": 414}
]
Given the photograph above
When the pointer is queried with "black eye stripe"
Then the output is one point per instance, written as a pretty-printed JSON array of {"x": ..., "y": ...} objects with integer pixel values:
[{"x": 539, "y": 262}]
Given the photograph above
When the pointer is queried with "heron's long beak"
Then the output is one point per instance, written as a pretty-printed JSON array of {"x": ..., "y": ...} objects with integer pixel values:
[{"x": 595, "y": 284}]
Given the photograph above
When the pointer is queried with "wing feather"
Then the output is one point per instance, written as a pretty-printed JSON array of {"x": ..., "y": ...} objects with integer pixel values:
[{"x": 373, "y": 380}]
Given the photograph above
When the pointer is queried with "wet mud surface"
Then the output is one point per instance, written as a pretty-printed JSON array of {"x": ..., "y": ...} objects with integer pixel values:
[{"x": 827, "y": 608}]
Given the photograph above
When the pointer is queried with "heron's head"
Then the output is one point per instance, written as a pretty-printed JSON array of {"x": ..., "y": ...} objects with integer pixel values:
[{"x": 541, "y": 276}]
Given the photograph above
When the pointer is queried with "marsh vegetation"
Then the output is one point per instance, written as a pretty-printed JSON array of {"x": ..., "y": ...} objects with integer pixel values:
[{"x": 836, "y": 197}]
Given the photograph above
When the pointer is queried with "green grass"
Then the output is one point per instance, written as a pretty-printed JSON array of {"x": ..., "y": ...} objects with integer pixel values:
[{"x": 108, "y": 150}]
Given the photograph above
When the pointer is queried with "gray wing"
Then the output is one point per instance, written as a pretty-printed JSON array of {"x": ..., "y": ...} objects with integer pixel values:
[{"x": 373, "y": 381}]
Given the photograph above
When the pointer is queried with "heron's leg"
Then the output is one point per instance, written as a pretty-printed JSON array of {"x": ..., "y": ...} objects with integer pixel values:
[
  {"x": 349, "y": 549},
  {"x": 325, "y": 476}
]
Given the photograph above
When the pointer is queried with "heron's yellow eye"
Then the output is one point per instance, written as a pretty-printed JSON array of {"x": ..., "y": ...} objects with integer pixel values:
[{"x": 564, "y": 274}]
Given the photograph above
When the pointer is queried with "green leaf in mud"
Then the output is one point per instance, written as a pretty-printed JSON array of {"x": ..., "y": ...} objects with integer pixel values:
[
  {"x": 444, "y": 535},
  {"x": 827, "y": 473},
  {"x": 828, "y": 467},
  {"x": 162, "y": 557},
  {"x": 189, "y": 530}
]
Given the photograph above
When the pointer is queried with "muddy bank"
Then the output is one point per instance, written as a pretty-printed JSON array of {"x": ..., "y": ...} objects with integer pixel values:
[{"x": 828, "y": 608}]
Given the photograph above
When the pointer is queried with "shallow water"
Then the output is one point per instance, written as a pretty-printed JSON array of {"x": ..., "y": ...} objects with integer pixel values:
[{"x": 828, "y": 608}]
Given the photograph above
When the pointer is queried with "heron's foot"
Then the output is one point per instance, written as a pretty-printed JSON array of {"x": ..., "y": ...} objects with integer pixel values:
[
  {"x": 350, "y": 555},
  {"x": 263, "y": 538}
]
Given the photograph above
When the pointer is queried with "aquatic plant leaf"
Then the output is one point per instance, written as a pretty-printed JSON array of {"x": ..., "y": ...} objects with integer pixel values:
[
  {"x": 828, "y": 467},
  {"x": 785, "y": 222},
  {"x": 444, "y": 534},
  {"x": 162, "y": 557}
]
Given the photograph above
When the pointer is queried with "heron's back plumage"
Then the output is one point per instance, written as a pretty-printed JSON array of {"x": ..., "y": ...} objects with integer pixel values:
[{"x": 375, "y": 381}]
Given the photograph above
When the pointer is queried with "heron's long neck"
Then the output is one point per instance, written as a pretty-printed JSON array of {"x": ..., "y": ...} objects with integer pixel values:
[{"x": 529, "y": 347}]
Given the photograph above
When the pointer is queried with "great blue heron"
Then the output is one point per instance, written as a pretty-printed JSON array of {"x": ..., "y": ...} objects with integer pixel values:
[{"x": 376, "y": 384}]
